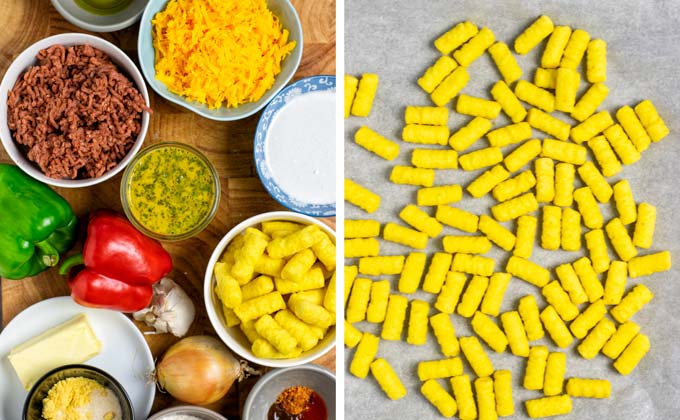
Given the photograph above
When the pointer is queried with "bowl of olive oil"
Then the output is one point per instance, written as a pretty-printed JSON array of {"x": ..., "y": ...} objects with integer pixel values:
[{"x": 101, "y": 15}]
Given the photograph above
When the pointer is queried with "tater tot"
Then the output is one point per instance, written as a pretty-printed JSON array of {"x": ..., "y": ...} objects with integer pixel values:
[
  {"x": 352, "y": 335},
  {"x": 380, "y": 293},
  {"x": 631, "y": 303},
  {"x": 414, "y": 265},
  {"x": 361, "y": 196},
  {"x": 466, "y": 244},
  {"x": 425, "y": 134},
  {"x": 649, "y": 264},
  {"x": 263, "y": 349},
  {"x": 587, "y": 206},
  {"x": 269, "y": 266},
  {"x": 498, "y": 284},
  {"x": 609, "y": 163},
  {"x": 473, "y": 295},
  {"x": 298, "y": 265},
  {"x": 311, "y": 313},
  {"x": 436, "y": 273},
  {"x": 417, "y": 322},
  {"x": 564, "y": 152},
  {"x": 588, "y": 388},
  {"x": 534, "y": 95},
  {"x": 650, "y": 119},
  {"x": 351, "y": 84},
  {"x": 592, "y": 177},
  {"x": 446, "y": 334},
  {"x": 358, "y": 300},
  {"x": 576, "y": 47},
  {"x": 488, "y": 331},
  {"x": 259, "y": 286},
  {"x": 470, "y": 133},
  {"x": 597, "y": 250},
  {"x": 361, "y": 228},
  {"x": 525, "y": 236},
  {"x": 534, "y": 374},
  {"x": 528, "y": 271},
  {"x": 509, "y": 103},
  {"x": 363, "y": 99},
  {"x": 312, "y": 279},
  {"x": 486, "y": 400},
  {"x": 528, "y": 311},
  {"x": 412, "y": 176},
  {"x": 480, "y": 159},
  {"x": 515, "y": 186},
  {"x": 475, "y": 47},
  {"x": 302, "y": 332},
  {"x": 620, "y": 240},
  {"x": 596, "y": 61},
  {"x": 434, "y": 159},
  {"x": 551, "y": 224},
  {"x": 259, "y": 306},
  {"x": 374, "y": 142},
  {"x": 476, "y": 356},
  {"x": 548, "y": 406},
  {"x": 226, "y": 286},
  {"x": 591, "y": 127},
  {"x": 496, "y": 232},
  {"x": 596, "y": 339},
  {"x": 588, "y": 318},
  {"x": 615, "y": 283},
  {"x": 455, "y": 37},
  {"x": 435, "y": 196},
  {"x": 438, "y": 397},
  {"x": 436, "y": 73},
  {"x": 275, "y": 334},
  {"x": 633, "y": 128},
  {"x": 230, "y": 317},
  {"x": 522, "y": 155},
  {"x": 450, "y": 86},
  {"x": 548, "y": 124},
  {"x": 591, "y": 284},
  {"x": 632, "y": 355},
  {"x": 447, "y": 300},
  {"x": 428, "y": 115},
  {"x": 514, "y": 331},
  {"x": 533, "y": 35},
  {"x": 571, "y": 283},
  {"x": 394, "y": 318},
  {"x": 462, "y": 391},
  {"x": 566, "y": 86},
  {"x": 473, "y": 264},
  {"x": 555, "y": 369},
  {"x": 364, "y": 355},
  {"x": 571, "y": 230},
  {"x": 384, "y": 264},
  {"x": 487, "y": 181},
  {"x": 387, "y": 379},
  {"x": 515, "y": 207},
  {"x": 622, "y": 145},
  {"x": 552, "y": 54},
  {"x": 555, "y": 327},
  {"x": 625, "y": 203},
  {"x": 545, "y": 78},
  {"x": 545, "y": 179},
  {"x": 405, "y": 236},
  {"x": 643, "y": 234},
  {"x": 589, "y": 101},
  {"x": 505, "y": 62},
  {"x": 559, "y": 299},
  {"x": 420, "y": 220},
  {"x": 620, "y": 339},
  {"x": 477, "y": 107},
  {"x": 445, "y": 368}
]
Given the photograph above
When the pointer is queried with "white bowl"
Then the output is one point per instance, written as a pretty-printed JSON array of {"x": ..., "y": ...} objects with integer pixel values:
[
  {"x": 187, "y": 410},
  {"x": 233, "y": 337},
  {"x": 27, "y": 59},
  {"x": 100, "y": 23}
]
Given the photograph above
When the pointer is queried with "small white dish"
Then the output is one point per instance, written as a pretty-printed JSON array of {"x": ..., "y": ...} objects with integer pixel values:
[
  {"x": 84, "y": 19},
  {"x": 125, "y": 354},
  {"x": 188, "y": 410}
]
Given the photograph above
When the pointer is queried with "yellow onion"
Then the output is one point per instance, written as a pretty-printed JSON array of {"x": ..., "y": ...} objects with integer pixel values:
[{"x": 198, "y": 370}]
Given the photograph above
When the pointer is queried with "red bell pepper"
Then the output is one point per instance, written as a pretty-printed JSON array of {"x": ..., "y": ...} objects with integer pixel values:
[{"x": 120, "y": 265}]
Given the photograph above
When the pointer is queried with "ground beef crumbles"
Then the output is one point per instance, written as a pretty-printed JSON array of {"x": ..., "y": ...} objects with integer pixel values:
[{"x": 74, "y": 113}]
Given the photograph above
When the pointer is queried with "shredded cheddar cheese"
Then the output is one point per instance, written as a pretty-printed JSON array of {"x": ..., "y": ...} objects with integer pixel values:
[{"x": 219, "y": 52}]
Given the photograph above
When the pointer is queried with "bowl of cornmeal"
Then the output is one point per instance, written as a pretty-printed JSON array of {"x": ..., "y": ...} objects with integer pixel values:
[{"x": 77, "y": 392}]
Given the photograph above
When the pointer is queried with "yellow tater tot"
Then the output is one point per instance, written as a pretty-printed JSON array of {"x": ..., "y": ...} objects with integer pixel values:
[
  {"x": 361, "y": 196},
  {"x": 502, "y": 388},
  {"x": 576, "y": 47},
  {"x": 263, "y": 349},
  {"x": 351, "y": 85},
  {"x": 514, "y": 331},
  {"x": 496, "y": 233},
  {"x": 259, "y": 286},
  {"x": 259, "y": 306},
  {"x": 414, "y": 266},
  {"x": 434, "y": 75},
  {"x": 596, "y": 61},
  {"x": 486, "y": 400},
  {"x": 505, "y": 62},
  {"x": 312, "y": 279},
  {"x": 457, "y": 218},
  {"x": 632, "y": 355},
  {"x": 548, "y": 124},
  {"x": 649, "y": 264},
  {"x": 564, "y": 152},
  {"x": 445, "y": 368},
  {"x": 631, "y": 303},
  {"x": 450, "y": 294},
  {"x": 590, "y": 101},
  {"x": 420, "y": 220},
  {"x": 473, "y": 295},
  {"x": 480, "y": 159},
  {"x": 377, "y": 307},
  {"x": 551, "y": 224},
  {"x": 455, "y": 37},
  {"x": 597, "y": 250},
  {"x": 425, "y": 134},
  {"x": 509, "y": 134},
  {"x": 434, "y": 159},
  {"x": 385, "y": 264},
  {"x": 438, "y": 397},
  {"x": 269, "y": 266},
  {"x": 298, "y": 265},
  {"x": 303, "y": 332},
  {"x": 609, "y": 163},
  {"x": 358, "y": 300},
  {"x": 556, "y": 296},
  {"x": 254, "y": 244},
  {"x": 534, "y": 374},
  {"x": 374, "y": 142},
  {"x": 528, "y": 311},
  {"x": 417, "y": 323},
  {"x": 466, "y": 244},
  {"x": 588, "y": 318},
  {"x": 571, "y": 283},
  {"x": 556, "y": 328},
  {"x": 450, "y": 86},
  {"x": 596, "y": 339},
  {"x": 566, "y": 87},
  {"x": 428, "y": 115},
  {"x": 591, "y": 127},
  {"x": 620, "y": 240},
  {"x": 589, "y": 388},
  {"x": 616, "y": 282},
  {"x": 486, "y": 182},
  {"x": 230, "y": 317},
  {"x": 534, "y": 95},
  {"x": 545, "y": 179},
  {"x": 470, "y": 133},
  {"x": 625, "y": 203},
  {"x": 587, "y": 206},
  {"x": 571, "y": 230},
  {"x": 436, "y": 196},
  {"x": 462, "y": 390},
  {"x": 412, "y": 176},
  {"x": 522, "y": 155},
  {"x": 275, "y": 334},
  {"x": 650, "y": 119},
  {"x": 552, "y": 54},
  {"x": 350, "y": 274},
  {"x": 592, "y": 177},
  {"x": 528, "y": 271},
  {"x": 311, "y": 313},
  {"x": 445, "y": 333},
  {"x": 329, "y": 296},
  {"x": 488, "y": 331},
  {"x": 363, "y": 98},
  {"x": 545, "y": 78},
  {"x": 514, "y": 208},
  {"x": 622, "y": 145},
  {"x": 548, "y": 406},
  {"x": 564, "y": 185},
  {"x": 387, "y": 379},
  {"x": 227, "y": 287},
  {"x": 509, "y": 103},
  {"x": 525, "y": 236},
  {"x": 591, "y": 284},
  {"x": 473, "y": 264},
  {"x": 493, "y": 297},
  {"x": 475, "y": 47},
  {"x": 477, "y": 107},
  {"x": 394, "y": 318},
  {"x": 476, "y": 356},
  {"x": 533, "y": 35},
  {"x": 620, "y": 339},
  {"x": 405, "y": 236},
  {"x": 555, "y": 369},
  {"x": 436, "y": 273},
  {"x": 643, "y": 235},
  {"x": 364, "y": 355},
  {"x": 633, "y": 128},
  {"x": 361, "y": 228}
]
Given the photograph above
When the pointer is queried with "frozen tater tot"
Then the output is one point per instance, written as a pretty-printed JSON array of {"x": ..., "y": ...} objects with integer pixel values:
[
  {"x": 528, "y": 271},
  {"x": 488, "y": 331},
  {"x": 446, "y": 334},
  {"x": 571, "y": 283},
  {"x": 311, "y": 313},
  {"x": 420, "y": 220},
  {"x": 587, "y": 206},
  {"x": 300, "y": 263},
  {"x": 514, "y": 186},
  {"x": 364, "y": 355},
  {"x": 525, "y": 236},
  {"x": 230, "y": 317},
  {"x": 269, "y": 266},
  {"x": 436, "y": 196},
  {"x": 377, "y": 307},
  {"x": 263, "y": 349},
  {"x": 552, "y": 54},
  {"x": 514, "y": 331},
  {"x": 428, "y": 115},
  {"x": 632, "y": 355},
  {"x": 384, "y": 264},
  {"x": 450, "y": 86},
  {"x": 643, "y": 234},
  {"x": 436, "y": 73},
  {"x": 534, "y": 95},
  {"x": 473, "y": 264},
  {"x": 329, "y": 296},
  {"x": 394, "y": 318},
  {"x": 254, "y": 244},
  {"x": 374, "y": 142},
  {"x": 455, "y": 37},
  {"x": 475, "y": 47},
  {"x": 631, "y": 303},
  {"x": 591, "y": 127},
  {"x": 633, "y": 128},
  {"x": 576, "y": 47},
  {"x": 450, "y": 294},
  {"x": 620, "y": 240},
  {"x": 564, "y": 184},
  {"x": 457, "y": 218},
  {"x": 625, "y": 203},
  {"x": 351, "y": 84},
  {"x": 615, "y": 284},
  {"x": 571, "y": 230},
  {"x": 650, "y": 119},
  {"x": 556, "y": 296},
  {"x": 596, "y": 61},
  {"x": 227, "y": 287},
  {"x": 476, "y": 356},
  {"x": 604, "y": 155},
  {"x": 597, "y": 250},
  {"x": 564, "y": 152},
  {"x": 363, "y": 99},
  {"x": 515, "y": 207},
  {"x": 598, "y": 184},
  {"x": 462, "y": 391},
  {"x": 466, "y": 244},
  {"x": 358, "y": 300},
  {"x": 438, "y": 397},
  {"x": 259, "y": 306},
  {"x": 589, "y": 388},
  {"x": 649, "y": 264},
  {"x": 387, "y": 379},
  {"x": 303, "y": 334},
  {"x": 596, "y": 339},
  {"x": 620, "y": 339},
  {"x": 445, "y": 368},
  {"x": 425, "y": 134},
  {"x": 548, "y": 406},
  {"x": 588, "y": 277},
  {"x": 498, "y": 284},
  {"x": 313, "y": 295},
  {"x": 528, "y": 311},
  {"x": 534, "y": 374},
  {"x": 509, "y": 134},
  {"x": 434, "y": 159},
  {"x": 477, "y": 107},
  {"x": 590, "y": 101},
  {"x": 436, "y": 273},
  {"x": 496, "y": 232},
  {"x": 624, "y": 148},
  {"x": 361, "y": 228},
  {"x": 480, "y": 159},
  {"x": 555, "y": 327},
  {"x": 324, "y": 249},
  {"x": 272, "y": 226},
  {"x": 522, "y": 155},
  {"x": 275, "y": 334},
  {"x": 545, "y": 179},
  {"x": 361, "y": 197},
  {"x": 555, "y": 369},
  {"x": 548, "y": 124},
  {"x": 259, "y": 286},
  {"x": 588, "y": 318},
  {"x": 313, "y": 279},
  {"x": 414, "y": 265},
  {"x": 505, "y": 62},
  {"x": 566, "y": 87},
  {"x": 470, "y": 133},
  {"x": 487, "y": 181},
  {"x": 486, "y": 400},
  {"x": 509, "y": 103},
  {"x": 473, "y": 295},
  {"x": 417, "y": 322},
  {"x": 351, "y": 272},
  {"x": 405, "y": 236},
  {"x": 412, "y": 176},
  {"x": 545, "y": 78},
  {"x": 533, "y": 35}
]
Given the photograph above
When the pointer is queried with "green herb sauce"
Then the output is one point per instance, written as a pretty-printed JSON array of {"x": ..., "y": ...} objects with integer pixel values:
[{"x": 103, "y": 7}]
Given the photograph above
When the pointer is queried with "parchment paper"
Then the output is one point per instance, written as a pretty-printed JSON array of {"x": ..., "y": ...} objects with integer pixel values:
[{"x": 394, "y": 39}]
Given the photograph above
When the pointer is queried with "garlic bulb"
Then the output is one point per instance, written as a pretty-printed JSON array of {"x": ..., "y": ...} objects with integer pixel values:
[{"x": 171, "y": 309}]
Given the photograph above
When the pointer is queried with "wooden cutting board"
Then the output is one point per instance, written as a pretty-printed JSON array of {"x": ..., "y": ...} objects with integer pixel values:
[{"x": 228, "y": 145}]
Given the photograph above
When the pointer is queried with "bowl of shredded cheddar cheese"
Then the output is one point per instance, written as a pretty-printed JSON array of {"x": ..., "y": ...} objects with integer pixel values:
[{"x": 223, "y": 60}]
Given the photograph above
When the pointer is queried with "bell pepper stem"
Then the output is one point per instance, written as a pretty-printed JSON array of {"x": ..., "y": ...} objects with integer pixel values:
[
  {"x": 73, "y": 260},
  {"x": 50, "y": 255}
]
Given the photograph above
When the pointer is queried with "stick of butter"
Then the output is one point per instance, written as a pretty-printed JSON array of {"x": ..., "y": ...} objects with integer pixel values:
[{"x": 70, "y": 342}]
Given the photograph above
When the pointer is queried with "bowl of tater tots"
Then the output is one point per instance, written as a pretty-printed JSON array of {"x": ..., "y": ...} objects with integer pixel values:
[{"x": 269, "y": 289}]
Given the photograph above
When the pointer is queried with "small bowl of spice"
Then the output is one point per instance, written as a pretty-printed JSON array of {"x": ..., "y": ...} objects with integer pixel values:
[
  {"x": 305, "y": 392},
  {"x": 170, "y": 191},
  {"x": 77, "y": 392},
  {"x": 187, "y": 412}
]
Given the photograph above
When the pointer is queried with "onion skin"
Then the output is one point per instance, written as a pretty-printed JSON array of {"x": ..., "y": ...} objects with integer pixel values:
[{"x": 198, "y": 370}]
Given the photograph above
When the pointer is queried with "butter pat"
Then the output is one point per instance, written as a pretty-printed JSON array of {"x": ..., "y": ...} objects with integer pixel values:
[{"x": 67, "y": 343}]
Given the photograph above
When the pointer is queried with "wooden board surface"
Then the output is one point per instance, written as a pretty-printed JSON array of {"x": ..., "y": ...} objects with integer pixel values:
[{"x": 229, "y": 146}]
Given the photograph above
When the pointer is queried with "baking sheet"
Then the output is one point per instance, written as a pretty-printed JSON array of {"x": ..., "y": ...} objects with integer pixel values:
[{"x": 394, "y": 39}]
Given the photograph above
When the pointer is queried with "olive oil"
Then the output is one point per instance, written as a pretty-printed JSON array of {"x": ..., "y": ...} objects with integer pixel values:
[{"x": 103, "y": 7}]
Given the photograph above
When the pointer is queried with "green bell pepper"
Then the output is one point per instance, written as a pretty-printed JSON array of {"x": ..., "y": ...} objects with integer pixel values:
[{"x": 36, "y": 225}]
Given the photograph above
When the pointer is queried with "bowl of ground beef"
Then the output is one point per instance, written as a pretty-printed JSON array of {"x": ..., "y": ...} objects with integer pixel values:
[{"x": 76, "y": 110}]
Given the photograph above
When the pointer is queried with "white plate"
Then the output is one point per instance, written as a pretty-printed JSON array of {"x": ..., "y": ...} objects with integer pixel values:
[{"x": 125, "y": 354}]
